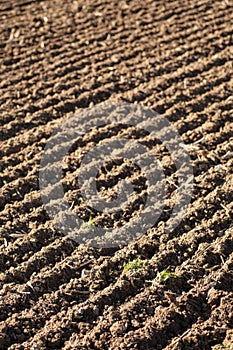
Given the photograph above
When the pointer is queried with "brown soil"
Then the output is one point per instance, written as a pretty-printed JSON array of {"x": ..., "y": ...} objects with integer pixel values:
[{"x": 61, "y": 56}]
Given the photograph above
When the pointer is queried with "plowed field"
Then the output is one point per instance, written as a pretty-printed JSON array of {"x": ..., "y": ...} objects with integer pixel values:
[{"x": 59, "y": 57}]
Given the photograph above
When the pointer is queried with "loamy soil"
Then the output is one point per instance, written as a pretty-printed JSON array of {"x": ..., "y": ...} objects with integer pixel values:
[{"x": 58, "y": 57}]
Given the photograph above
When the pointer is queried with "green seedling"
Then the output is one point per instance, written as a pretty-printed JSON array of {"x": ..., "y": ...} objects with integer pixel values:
[
  {"x": 90, "y": 225},
  {"x": 135, "y": 264},
  {"x": 164, "y": 276}
]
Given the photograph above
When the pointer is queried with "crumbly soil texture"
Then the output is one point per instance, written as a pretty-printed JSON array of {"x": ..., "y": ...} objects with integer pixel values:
[{"x": 61, "y": 57}]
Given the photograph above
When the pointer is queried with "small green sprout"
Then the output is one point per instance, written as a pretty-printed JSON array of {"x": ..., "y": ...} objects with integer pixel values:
[
  {"x": 135, "y": 264},
  {"x": 90, "y": 225},
  {"x": 165, "y": 275},
  {"x": 91, "y": 221}
]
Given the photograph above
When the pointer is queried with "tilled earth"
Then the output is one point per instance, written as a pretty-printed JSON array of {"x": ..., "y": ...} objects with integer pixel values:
[{"x": 59, "y": 57}]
